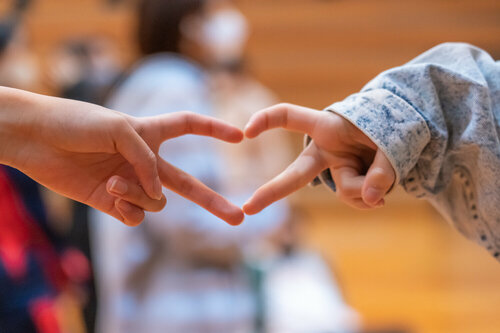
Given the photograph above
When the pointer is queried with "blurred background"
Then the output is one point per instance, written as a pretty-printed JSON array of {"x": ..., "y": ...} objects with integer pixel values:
[{"x": 401, "y": 268}]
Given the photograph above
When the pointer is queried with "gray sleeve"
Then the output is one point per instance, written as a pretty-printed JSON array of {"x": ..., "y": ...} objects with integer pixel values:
[{"x": 436, "y": 118}]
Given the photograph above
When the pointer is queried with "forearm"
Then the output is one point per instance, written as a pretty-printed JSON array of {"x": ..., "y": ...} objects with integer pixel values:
[
  {"x": 421, "y": 112},
  {"x": 436, "y": 118}
]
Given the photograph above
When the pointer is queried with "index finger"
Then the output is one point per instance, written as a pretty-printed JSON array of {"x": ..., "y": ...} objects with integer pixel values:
[
  {"x": 298, "y": 174},
  {"x": 136, "y": 151},
  {"x": 288, "y": 116},
  {"x": 194, "y": 190},
  {"x": 182, "y": 123}
]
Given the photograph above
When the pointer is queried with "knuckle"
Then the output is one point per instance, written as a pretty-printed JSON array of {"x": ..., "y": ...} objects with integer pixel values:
[
  {"x": 349, "y": 191},
  {"x": 159, "y": 205},
  {"x": 342, "y": 196},
  {"x": 266, "y": 195},
  {"x": 188, "y": 114},
  {"x": 121, "y": 124},
  {"x": 150, "y": 158},
  {"x": 212, "y": 203},
  {"x": 284, "y": 106},
  {"x": 187, "y": 118},
  {"x": 185, "y": 185},
  {"x": 135, "y": 220},
  {"x": 382, "y": 177},
  {"x": 360, "y": 206}
]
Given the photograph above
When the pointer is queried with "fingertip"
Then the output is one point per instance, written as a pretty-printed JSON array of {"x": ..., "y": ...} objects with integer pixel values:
[
  {"x": 236, "y": 218},
  {"x": 250, "y": 135},
  {"x": 236, "y": 135},
  {"x": 251, "y": 209},
  {"x": 250, "y": 130},
  {"x": 132, "y": 215},
  {"x": 157, "y": 188},
  {"x": 116, "y": 186},
  {"x": 153, "y": 187},
  {"x": 231, "y": 213},
  {"x": 372, "y": 196},
  {"x": 152, "y": 184},
  {"x": 163, "y": 203}
]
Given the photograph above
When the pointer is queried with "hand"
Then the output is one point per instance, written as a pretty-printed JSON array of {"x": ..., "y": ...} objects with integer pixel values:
[
  {"x": 362, "y": 173},
  {"x": 94, "y": 155},
  {"x": 154, "y": 131}
]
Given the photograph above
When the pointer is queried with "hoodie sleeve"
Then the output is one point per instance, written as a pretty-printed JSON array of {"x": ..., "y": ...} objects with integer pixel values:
[{"x": 436, "y": 119}]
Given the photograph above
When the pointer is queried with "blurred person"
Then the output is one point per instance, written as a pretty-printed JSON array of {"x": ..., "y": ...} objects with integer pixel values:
[
  {"x": 85, "y": 68},
  {"x": 297, "y": 290},
  {"x": 101, "y": 157},
  {"x": 181, "y": 271},
  {"x": 281, "y": 262},
  {"x": 82, "y": 69},
  {"x": 84, "y": 163},
  {"x": 236, "y": 97},
  {"x": 431, "y": 125}
]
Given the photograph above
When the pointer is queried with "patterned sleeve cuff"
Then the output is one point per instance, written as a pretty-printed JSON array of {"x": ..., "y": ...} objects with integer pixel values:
[{"x": 390, "y": 122}]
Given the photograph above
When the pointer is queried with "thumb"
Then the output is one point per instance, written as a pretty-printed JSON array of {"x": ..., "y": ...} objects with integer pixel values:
[
  {"x": 136, "y": 151},
  {"x": 379, "y": 180}
]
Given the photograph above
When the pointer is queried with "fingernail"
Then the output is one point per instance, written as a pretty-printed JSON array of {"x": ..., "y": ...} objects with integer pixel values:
[
  {"x": 244, "y": 208},
  {"x": 118, "y": 187},
  {"x": 246, "y": 128},
  {"x": 158, "y": 189},
  {"x": 373, "y": 195},
  {"x": 249, "y": 210}
]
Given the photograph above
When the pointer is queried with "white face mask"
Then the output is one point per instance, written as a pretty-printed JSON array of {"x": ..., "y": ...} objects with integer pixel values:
[{"x": 223, "y": 34}]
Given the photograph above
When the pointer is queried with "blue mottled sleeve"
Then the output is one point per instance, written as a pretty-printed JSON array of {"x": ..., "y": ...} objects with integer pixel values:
[{"x": 436, "y": 118}]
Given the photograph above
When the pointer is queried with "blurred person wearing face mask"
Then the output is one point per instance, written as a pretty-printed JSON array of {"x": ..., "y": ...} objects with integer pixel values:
[
  {"x": 221, "y": 34},
  {"x": 285, "y": 262},
  {"x": 181, "y": 270}
]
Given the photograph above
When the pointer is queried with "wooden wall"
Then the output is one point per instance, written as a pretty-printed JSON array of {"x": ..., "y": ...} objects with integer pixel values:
[
  {"x": 316, "y": 52},
  {"x": 401, "y": 265}
]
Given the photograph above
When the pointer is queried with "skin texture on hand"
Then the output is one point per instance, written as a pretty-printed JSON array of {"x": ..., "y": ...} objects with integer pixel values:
[
  {"x": 103, "y": 158},
  {"x": 362, "y": 173}
]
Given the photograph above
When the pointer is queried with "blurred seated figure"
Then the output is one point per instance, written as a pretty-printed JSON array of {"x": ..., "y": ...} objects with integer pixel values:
[{"x": 182, "y": 270}]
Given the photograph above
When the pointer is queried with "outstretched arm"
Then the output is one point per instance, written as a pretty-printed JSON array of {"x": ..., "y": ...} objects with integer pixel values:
[
  {"x": 434, "y": 120},
  {"x": 86, "y": 152}
]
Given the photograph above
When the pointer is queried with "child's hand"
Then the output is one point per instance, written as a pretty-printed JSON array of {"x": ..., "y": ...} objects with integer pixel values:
[
  {"x": 103, "y": 158},
  {"x": 362, "y": 173}
]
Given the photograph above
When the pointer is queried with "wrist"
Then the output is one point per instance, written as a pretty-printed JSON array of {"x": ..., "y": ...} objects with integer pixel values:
[
  {"x": 391, "y": 123},
  {"x": 16, "y": 122}
]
